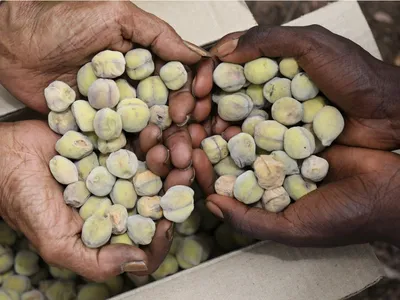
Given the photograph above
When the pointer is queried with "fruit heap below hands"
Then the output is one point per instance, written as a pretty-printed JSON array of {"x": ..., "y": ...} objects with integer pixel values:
[
  {"x": 272, "y": 161},
  {"x": 103, "y": 180}
]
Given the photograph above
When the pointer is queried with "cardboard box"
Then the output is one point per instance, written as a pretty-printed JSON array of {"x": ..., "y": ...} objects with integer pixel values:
[{"x": 265, "y": 270}]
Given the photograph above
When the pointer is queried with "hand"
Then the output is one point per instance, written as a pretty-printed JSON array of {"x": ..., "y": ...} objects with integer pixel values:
[
  {"x": 38, "y": 49},
  {"x": 31, "y": 201},
  {"x": 46, "y": 41},
  {"x": 357, "y": 202}
]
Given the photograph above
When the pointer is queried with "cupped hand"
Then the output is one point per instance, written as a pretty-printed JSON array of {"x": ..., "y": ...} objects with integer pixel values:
[
  {"x": 363, "y": 87},
  {"x": 31, "y": 201},
  {"x": 356, "y": 203},
  {"x": 46, "y": 41}
]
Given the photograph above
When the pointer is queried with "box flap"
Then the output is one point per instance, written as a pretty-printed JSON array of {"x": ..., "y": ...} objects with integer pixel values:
[{"x": 270, "y": 271}]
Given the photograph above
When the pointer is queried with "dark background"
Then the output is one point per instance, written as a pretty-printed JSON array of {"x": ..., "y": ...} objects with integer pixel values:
[{"x": 384, "y": 20}]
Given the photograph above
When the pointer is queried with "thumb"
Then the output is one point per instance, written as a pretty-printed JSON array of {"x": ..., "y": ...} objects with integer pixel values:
[
  {"x": 277, "y": 41},
  {"x": 111, "y": 260},
  {"x": 325, "y": 217},
  {"x": 149, "y": 31}
]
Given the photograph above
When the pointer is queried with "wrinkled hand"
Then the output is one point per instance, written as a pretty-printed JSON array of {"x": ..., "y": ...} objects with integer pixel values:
[
  {"x": 31, "y": 201},
  {"x": 357, "y": 202},
  {"x": 46, "y": 41}
]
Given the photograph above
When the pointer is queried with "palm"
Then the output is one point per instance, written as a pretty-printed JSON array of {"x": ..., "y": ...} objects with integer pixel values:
[
  {"x": 37, "y": 198},
  {"x": 35, "y": 206}
]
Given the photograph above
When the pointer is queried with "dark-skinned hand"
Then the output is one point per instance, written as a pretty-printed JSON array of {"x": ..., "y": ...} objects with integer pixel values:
[{"x": 358, "y": 200}]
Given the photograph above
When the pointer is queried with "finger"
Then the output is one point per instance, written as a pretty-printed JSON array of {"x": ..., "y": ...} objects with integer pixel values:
[
  {"x": 203, "y": 82},
  {"x": 345, "y": 162},
  {"x": 230, "y": 132},
  {"x": 149, "y": 137},
  {"x": 159, "y": 247},
  {"x": 158, "y": 160},
  {"x": 202, "y": 109},
  {"x": 158, "y": 64},
  {"x": 179, "y": 177},
  {"x": 278, "y": 41},
  {"x": 149, "y": 31},
  {"x": 197, "y": 134},
  {"x": 181, "y": 103},
  {"x": 177, "y": 140},
  {"x": 205, "y": 174},
  {"x": 219, "y": 125},
  {"x": 368, "y": 134}
]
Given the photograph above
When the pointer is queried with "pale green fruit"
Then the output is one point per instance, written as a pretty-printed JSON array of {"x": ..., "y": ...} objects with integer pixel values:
[
  {"x": 289, "y": 67},
  {"x": 150, "y": 207},
  {"x": 227, "y": 166},
  {"x": 287, "y": 111},
  {"x": 124, "y": 193},
  {"x": 270, "y": 173},
  {"x": 215, "y": 147},
  {"x": 100, "y": 181},
  {"x": 59, "y": 96},
  {"x": 260, "y": 70},
  {"x": 235, "y": 107},
  {"x": 177, "y": 203},
  {"x": 314, "y": 168},
  {"x": 299, "y": 143},
  {"x": 242, "y": 149},
  {"x": 191, "y": 225},
  {"x": 139, "y": 63},
  {"x": 147, "y": 183},
  {"x": 312, "y": 107},
  {"x": 62, "y": 122},
  {"x": 86, "y": 165},
  {"x": 85, "y": 78},
  {"x": 269, "y": 135},
  {"x": 107, "y": 124},
  {"x": 106, "y": 147},
  {"x": 84, "y": 115},
  {"x": 122, "y": 163},
  {"x": 94, "y": 291},
  {"x": 140, "y": 229},
  {"x": 135, "y": 116},
  {"x": 74, "y": 145},
  {"x": 297, "y": 186},
  {"x": 63, "y": 170},
  {"x": 255, "y": 91},
  {"x": 275, "y": 200},
  {"x": 125, "y": 89},
  {"x": 26, "y": 263},
  {"x": 224, "y": 185},
  {"x": 103, "y": 93},
  {"x": 61, "y": 273},
  {"x": 174, "y": 75},
  {"x": 303, "y": 88},
  {"x": 152, "y": 91},
  {"x": 276, "y": 89},
  {"x": 168, "y": 267},
  {"x": 328, "y": 124},
  {"x": 94, "y": 205},
  {"x": 247, "y": 189},
  {"x": 108, "y": 64},
  {"x": 96, "y": 231},
  {"x": 290, "y": 165},
  {"x": 229, "y": 77},
  {"x": 118, "y": 216}
]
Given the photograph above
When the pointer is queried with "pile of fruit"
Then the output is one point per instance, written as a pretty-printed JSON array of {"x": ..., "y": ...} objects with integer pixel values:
[{"x": 271, "y": 163}]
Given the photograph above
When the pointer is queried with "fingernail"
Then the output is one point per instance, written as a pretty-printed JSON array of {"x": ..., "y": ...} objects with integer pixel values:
[
  {"x": 134, "y": 266},
  {"x": 196, "y": 49},
  {"x": 227, "y": 48},
  {"x": 184, "y": 122},
  {"x": 193, "y": 177},
  {"x": 193, "y": 86},
  {"x": 214, "y": 209},
  {"x": 189, "y": 166},
  {"x": 170, "y": 232},
  {"x": 167, "y": 158}
]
